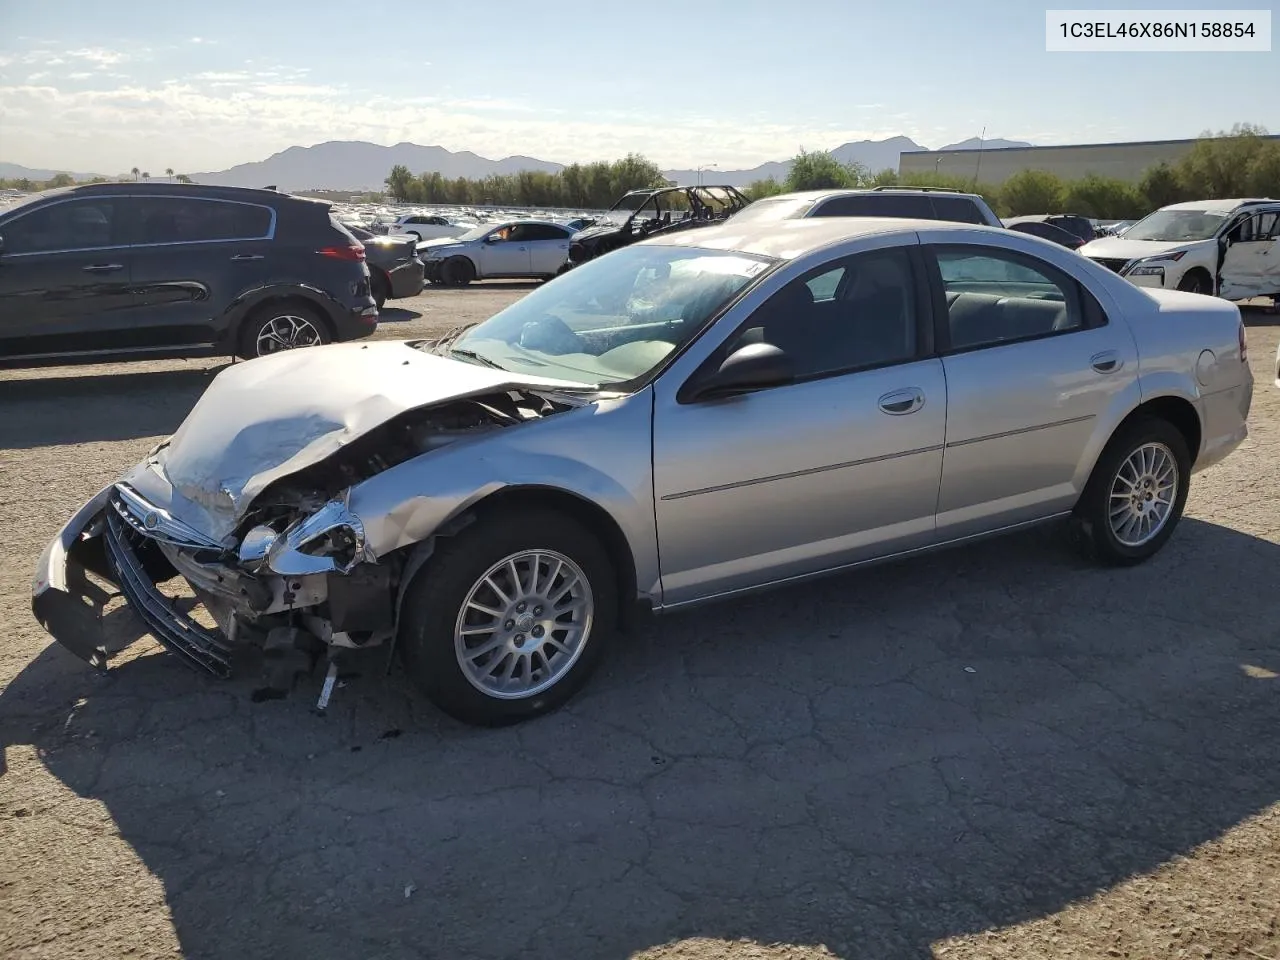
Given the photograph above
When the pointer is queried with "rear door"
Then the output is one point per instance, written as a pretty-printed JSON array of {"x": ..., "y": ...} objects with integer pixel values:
[
  {"x": 193, "y": 258},
  {"x": 1251, "y": 261},
  {"x": 1033, "y": 366},
  {"x": 65, "y": 279}
]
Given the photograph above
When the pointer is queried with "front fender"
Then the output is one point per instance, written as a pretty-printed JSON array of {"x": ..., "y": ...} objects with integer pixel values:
[{"x": 599, "y": 453}]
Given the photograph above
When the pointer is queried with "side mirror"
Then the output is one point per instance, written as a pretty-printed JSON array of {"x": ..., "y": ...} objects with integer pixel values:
[{"x": 753, "y": 367}]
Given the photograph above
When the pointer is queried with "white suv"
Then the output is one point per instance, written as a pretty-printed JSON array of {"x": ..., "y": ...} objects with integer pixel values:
[
  {"x": 428, "y": 226},
  {"x": 1230, "y": 248}
]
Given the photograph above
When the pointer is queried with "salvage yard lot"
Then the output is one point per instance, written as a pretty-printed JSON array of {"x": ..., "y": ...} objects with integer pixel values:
[{"x": 1000, "y": 738}]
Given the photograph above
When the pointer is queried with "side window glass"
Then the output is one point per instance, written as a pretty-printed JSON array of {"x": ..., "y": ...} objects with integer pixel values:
[
  {"x": 994, "y": 296},
  {"x": 861, "y": 313},
  {"x": 186, "y": 220},
  {"x": 75, "y": 225},
  {"x": 956, "y": 210}
]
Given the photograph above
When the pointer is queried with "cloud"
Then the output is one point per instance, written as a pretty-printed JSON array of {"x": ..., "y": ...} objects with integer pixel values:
[
  {"x": 203, "y": 40},
  {"x": 215, "y": 119},
  {"x": 99, "y": 56}
]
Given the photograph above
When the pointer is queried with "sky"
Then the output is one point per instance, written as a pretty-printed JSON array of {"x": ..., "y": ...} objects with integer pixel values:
[{"x": 105, "y": 86}]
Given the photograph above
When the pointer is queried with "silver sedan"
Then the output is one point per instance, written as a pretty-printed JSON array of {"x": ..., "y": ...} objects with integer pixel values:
[{"x": 686, "y": 419}]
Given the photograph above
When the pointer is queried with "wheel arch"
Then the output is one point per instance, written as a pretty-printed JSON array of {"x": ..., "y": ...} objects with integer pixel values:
[
  {"x": 1174, "y": 409},
  {"x": 590, "y": 515},
  {"x": 316, "y": 301}
]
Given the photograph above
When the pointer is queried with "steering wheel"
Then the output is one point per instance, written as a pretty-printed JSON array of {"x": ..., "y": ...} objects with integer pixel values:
[{"x": 550, "y": 335}]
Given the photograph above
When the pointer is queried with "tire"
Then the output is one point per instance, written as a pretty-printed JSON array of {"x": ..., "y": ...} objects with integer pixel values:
[
  {"x": 458, "y": 271},
  {"x": 380, "y": 287},
  {"x": 1196, "y": 281},
  {"x": 284, "y": 315},
  {"x": 436, "y": 607},
  {"x": 1093, "y": 529}
]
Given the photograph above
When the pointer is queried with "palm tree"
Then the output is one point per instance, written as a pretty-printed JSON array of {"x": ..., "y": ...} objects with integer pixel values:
[
  {"x": 135, "y": 171},
  {"x": 168, "y": 172},
  {"x": 146, "y": 176}
]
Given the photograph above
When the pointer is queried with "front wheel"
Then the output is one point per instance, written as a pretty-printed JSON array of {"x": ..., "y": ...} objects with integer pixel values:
[
  {"x": 509, "y": 619},
  {"x": 458, "y": 271},
  {"x": 1196, "y": 281},
  {"x": 1136, "y": 494}
]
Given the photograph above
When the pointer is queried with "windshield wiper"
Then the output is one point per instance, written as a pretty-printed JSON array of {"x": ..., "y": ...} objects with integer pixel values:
[
  {"x": 440, "y": 345},
  {"x": 479, "y": 358}
]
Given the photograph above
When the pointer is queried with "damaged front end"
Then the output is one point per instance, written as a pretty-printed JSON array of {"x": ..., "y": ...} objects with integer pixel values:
[{"x": 292, "y": 578}]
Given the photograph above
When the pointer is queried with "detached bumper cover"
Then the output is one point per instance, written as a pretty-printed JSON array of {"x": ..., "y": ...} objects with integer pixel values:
[
  {"x": 69, "y": 606},
  {"x": 407, "y": 279}
]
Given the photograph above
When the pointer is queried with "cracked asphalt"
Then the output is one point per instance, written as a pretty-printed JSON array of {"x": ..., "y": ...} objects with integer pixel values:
[{"x": 996, "y": 751}]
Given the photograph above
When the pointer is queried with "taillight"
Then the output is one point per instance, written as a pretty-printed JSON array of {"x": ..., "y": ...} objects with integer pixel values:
[
  {"x": 1244, "y": 344},
  {"x": 353, "y": 251}
]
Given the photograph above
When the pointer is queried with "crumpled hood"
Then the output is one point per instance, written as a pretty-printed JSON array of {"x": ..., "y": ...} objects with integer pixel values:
[
  {"x": 1120, "y": 248},
  {"x": 271, "y": 417}
]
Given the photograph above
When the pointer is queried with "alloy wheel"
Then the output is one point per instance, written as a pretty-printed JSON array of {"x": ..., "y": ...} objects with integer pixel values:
[{"x": 524, "y": 624}]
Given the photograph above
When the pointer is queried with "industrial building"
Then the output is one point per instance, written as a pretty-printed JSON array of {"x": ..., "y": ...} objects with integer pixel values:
[{"x": 1124, "y": 161}]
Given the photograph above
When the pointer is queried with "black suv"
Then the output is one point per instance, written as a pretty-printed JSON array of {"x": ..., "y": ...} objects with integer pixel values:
[{"x": 131, "y": 270}]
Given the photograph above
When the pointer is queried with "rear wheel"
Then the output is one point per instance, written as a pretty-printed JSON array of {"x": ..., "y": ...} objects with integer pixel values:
[
  {"x": 380, "y": 287},
  {"x": 283, "y": 326},
  {"x": 458, "y": 271},
  {"x": 1196, "y": 281},
  {"x": 1136, "y": 494},
  {"x": 509, "y": 619}
]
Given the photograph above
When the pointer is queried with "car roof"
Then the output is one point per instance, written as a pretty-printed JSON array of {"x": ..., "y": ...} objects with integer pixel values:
[
  {"x": 789, "y": 239},
  {"x": 1217, "y": 205},
  {"x": 166, "y": 189},
  {"x": 827, "y": 194}
]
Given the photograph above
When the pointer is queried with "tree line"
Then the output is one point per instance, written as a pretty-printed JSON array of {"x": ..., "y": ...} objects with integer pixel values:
[
  {"x": 1234, "y": 163},
  {"x": 586, "y": 186},
  {"x": 66, "y": 180}
]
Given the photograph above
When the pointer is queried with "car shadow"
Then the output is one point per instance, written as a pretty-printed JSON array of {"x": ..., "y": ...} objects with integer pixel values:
[
  {"x": 51, "y": 411},
  {"x": 872, "y": 762},
  {"x": 393, "y": 314},
  {"x": 1259, "y": 316}
]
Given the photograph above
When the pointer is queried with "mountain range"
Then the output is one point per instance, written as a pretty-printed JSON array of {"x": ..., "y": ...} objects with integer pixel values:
[{"x": 356, "y": 165}]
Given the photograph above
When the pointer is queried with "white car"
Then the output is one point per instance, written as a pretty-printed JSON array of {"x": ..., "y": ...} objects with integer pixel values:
[
  {"x": 428, "y": 226},
  {"x": 516, "y": 249},
  {"x": 1230, "y": 248}
]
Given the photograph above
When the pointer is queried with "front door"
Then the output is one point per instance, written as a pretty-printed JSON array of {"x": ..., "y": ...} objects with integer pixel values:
[
  {"x": 503, "y": 255},
  {"x": 840, "y": 465},
  {"x": 548, "y": 247},
  {"x": 1032, "y": 368},
  {"x": 1251, "y": 261},
  {"x": 64, "y": 280}
]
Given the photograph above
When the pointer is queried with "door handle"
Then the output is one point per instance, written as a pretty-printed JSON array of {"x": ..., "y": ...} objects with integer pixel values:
[
  {"x": 901, "y": 402},
  {"x": 246, "y": 256},
  {"x": 103, "y": 267},
  {"x": 1106, "y": 362}
]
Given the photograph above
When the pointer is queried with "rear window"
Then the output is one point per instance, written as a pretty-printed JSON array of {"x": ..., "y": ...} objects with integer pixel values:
[
  {"x": 189, "y": 220},
  {"x": 957, "y": 210}
]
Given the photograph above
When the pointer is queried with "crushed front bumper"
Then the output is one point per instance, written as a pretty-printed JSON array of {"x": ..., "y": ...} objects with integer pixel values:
[{"x": 69, "y": 605}]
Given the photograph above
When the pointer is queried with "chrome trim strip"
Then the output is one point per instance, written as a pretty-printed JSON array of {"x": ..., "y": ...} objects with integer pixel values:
[
  {"x": 801, "y": 473},
  {"x": 1013, "y": 433}
]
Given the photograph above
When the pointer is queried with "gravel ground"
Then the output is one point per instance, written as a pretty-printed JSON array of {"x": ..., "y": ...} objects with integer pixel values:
[{"x": 994, "y": 752}]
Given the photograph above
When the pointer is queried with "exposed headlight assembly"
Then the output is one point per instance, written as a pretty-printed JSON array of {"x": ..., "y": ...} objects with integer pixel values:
[{"x": 331, "y": 540}]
